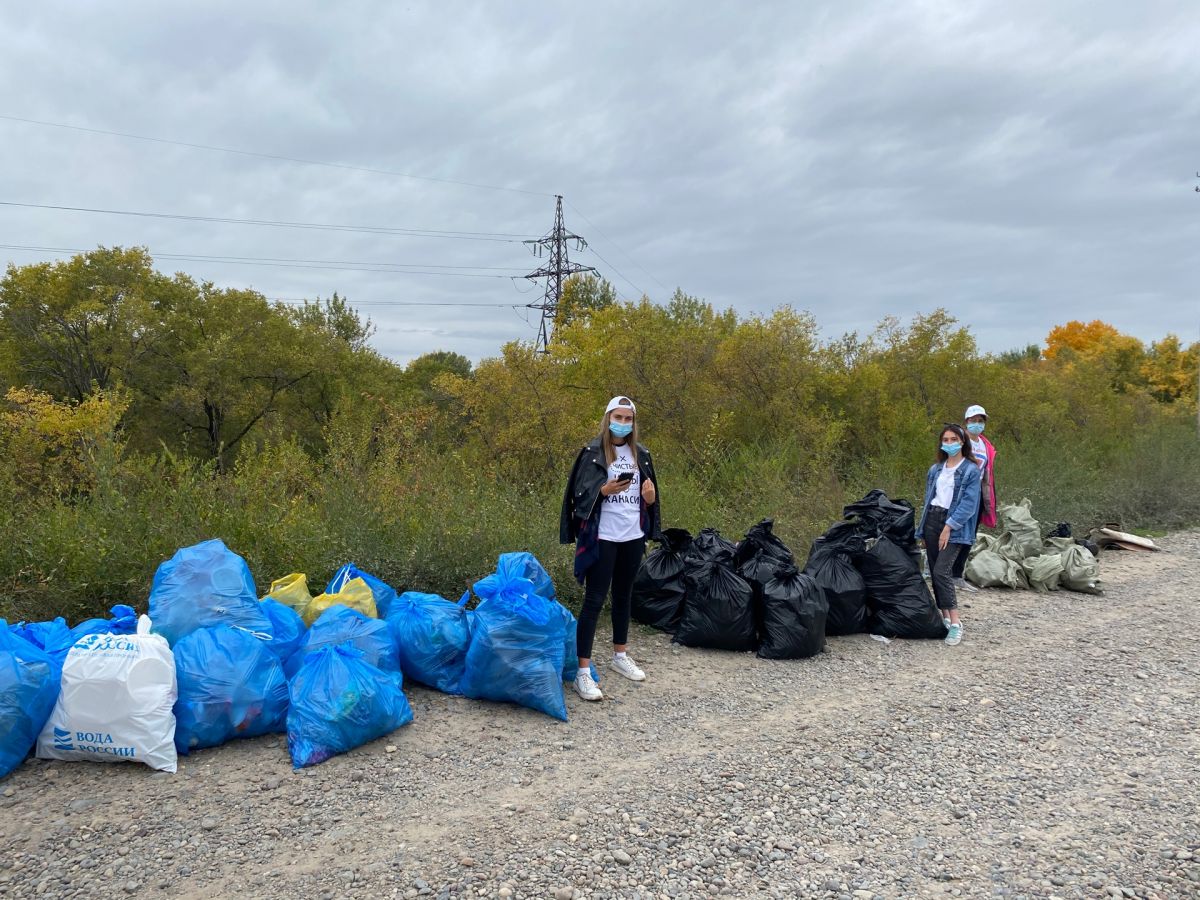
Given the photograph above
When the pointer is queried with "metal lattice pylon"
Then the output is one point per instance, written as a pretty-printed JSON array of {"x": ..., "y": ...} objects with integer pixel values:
[{"x": 558, "y": 267}]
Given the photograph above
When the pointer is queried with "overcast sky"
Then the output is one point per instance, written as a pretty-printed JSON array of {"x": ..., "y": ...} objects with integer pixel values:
[{"x": 1019, "y": 163}]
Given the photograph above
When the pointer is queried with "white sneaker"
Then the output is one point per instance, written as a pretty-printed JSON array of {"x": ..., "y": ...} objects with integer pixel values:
[
  {"x": 585, "y": 687},
  {"x": 963, "y": 585},
  {"x": 946, "y": 622},
  {"x": 625, "y": 665},
  {"x": 955, "y": 635}
]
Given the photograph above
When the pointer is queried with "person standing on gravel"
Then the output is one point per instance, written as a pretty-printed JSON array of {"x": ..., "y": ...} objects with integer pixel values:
[
  {"x": 948, "y": 519},
  {"x": 610, "y": 508},
  {"x": 985, "y": 457}
]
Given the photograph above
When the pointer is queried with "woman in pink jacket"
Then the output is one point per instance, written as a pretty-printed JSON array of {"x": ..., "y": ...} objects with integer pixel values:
[{"x": 985, "y": 455}]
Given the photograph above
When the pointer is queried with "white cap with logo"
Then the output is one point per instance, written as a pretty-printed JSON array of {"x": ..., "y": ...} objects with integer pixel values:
[
  {"x": 975, "y": 411},
  {"x": 618, "y": 403}
]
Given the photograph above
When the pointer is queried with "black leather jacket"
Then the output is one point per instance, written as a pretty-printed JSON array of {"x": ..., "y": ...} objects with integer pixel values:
[{"x": 588, "y": 475}]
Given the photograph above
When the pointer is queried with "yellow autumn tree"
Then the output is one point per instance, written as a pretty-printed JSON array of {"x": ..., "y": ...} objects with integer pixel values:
[{"x": 54, "y": 445}]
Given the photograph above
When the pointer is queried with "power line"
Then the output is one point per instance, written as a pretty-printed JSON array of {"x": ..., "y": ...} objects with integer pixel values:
[
  {"x": 618, "y": 246},
  {"x": 284, "y": 263},
  {"x": 346, "y": 166},
  {"x": 641, "y": 293},
  {"x": 272, "y": 156},
  {"x": 355, "y": 303},
  {"x": 499, "y": 237}
]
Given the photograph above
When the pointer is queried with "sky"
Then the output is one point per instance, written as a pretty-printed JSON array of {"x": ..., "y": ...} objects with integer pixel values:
[{"x": 1020, "y": 164}]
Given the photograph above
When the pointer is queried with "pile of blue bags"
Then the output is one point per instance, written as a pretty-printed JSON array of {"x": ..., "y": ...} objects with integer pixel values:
[{"x": 247, "y": 667}]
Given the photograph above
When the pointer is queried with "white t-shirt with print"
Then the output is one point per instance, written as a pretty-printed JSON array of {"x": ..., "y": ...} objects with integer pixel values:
[
  {"x": 980, "y": 451},
  {"x": 621, "y": 513}
]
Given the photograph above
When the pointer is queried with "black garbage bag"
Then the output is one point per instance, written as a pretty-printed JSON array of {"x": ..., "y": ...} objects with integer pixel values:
[
  {"x": 658, "y": 587},
  {"x": 847, "y": 538},
  {"x": 719, "y": 610},
  {"x": 844, "y": 590},
  {"x": 708, "y": 546},
  {"x": 761, "y": 538},
  {"x": 794, "y": 610},
  {"x": 880, "y": 516},
  {"x": 901, "y": 605}
]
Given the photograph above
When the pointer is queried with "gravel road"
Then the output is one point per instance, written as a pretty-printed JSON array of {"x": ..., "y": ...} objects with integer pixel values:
[{"x": 1054, "y": 753}]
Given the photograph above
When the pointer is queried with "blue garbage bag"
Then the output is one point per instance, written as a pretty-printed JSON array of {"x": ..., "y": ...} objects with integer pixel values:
[
  {"x": 230, "y": 686},
  {"x": 287, "y": 629},
  {"x": 338, "y": 702},
  {"x": 57, "y": 639},
  {"x": 518, "y": 565},
  {"x": 517, "y": 646},
  {"x": 207, "y": 584},
  {"x": 432, "y": 635},
  {"x": 121, "y": 619},
  {"x": 29, "y": 682},
  {"x": 340, "y": 624},
  {"x": 53, "y": 636},
  {"x": 385, "y": 594}
]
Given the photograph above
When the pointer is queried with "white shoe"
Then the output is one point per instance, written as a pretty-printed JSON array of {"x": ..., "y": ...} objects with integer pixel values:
[
  {"x": 624, "y": 665},
  {"x": 585, "y": 687},
  {"x": 963, "y": 585},
  {"x": 946, "y": 622}
]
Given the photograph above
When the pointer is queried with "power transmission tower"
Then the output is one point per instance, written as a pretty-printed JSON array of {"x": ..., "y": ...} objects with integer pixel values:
[{"x": 557, "y": 268}]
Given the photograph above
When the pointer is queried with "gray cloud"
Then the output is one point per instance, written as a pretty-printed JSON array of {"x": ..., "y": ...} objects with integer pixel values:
[{"x": 1019, "y": 164}]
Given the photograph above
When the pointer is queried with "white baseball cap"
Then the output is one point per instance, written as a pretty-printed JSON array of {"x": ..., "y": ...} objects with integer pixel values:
[
  {"x": 619, "y": 402},
  {"x": 975, "y": 411}
]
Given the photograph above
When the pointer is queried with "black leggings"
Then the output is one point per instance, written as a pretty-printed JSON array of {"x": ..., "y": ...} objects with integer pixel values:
[
  {"x": 941, "y": 562},
  {"x": 618, "y": 563}
]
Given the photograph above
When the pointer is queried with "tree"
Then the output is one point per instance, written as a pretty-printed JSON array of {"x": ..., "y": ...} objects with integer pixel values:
[
  {"x": 1120, "y": 356},
  {"x": 73, "y": 326},
  {"x": 1170, "y": 370},
  {"x": 581, "y": 296},
  {"x": 224, "y": 362}
]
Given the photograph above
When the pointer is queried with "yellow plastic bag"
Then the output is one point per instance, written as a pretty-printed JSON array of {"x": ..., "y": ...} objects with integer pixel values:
[
  {"x": 291, "y": 590},
  {"x": 355, "y": 594}
]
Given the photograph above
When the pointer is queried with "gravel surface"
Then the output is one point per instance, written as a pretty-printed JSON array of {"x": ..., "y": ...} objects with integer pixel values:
[{"x": 1054, "y": 753}]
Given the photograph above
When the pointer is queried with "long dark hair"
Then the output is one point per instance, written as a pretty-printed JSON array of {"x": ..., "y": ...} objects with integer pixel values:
[{"x": 958, "y": 430}]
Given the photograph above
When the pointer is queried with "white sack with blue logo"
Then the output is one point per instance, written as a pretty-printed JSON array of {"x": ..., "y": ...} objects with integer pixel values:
[{"x": 118, "y": 693}]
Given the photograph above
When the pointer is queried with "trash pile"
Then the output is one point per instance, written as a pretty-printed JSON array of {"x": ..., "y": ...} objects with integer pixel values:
[
  {"x": 212, "y": 662},
  {"x": 869, "y": 566},
  {"x": 1020, "y": 558},
  {"x": 708, "y": 592}
]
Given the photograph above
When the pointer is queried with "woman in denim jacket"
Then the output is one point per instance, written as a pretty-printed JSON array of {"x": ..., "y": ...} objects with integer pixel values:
[{"x": 948, "y": 519}]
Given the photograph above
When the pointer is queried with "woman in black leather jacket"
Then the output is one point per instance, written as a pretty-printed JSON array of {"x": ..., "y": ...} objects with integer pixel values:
[{"x": 609, "y": 510}]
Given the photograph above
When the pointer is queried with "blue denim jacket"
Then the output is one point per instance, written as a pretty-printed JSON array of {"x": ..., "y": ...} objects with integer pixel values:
[{"x": 964, "y": 506}]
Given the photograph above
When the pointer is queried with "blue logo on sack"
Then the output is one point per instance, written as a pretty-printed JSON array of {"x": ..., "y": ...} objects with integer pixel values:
[{"x": 62, "y": 739}]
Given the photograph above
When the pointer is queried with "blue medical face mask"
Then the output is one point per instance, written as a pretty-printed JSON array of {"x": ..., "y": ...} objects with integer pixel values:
[
  {"x": 620, "y": 429},
  {"x": 952, "y": 449},
  {"x": 975, "y": 427}
]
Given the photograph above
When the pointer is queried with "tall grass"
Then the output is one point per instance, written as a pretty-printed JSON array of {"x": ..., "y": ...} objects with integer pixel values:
[{"x": 437, "y": 521}]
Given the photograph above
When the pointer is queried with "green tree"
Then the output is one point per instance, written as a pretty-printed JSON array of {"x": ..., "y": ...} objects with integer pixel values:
[{"x": 73, "y": 326}]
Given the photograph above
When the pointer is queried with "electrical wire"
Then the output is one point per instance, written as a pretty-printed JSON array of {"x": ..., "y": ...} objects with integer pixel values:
[
  {"x": 356, "y": 303},
  {"x": 624, "y": 252},
  {"x": 285, "y": 263},
  {"x": 271, "y": 156},
  {"x": 499, "y": 237},
  {"x": 345, "y": 166}
]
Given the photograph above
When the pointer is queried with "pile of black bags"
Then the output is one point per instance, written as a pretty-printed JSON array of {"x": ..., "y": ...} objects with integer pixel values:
[
  {"x": 709, "y": 592},
  {"x": 869, "y": 567}
]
